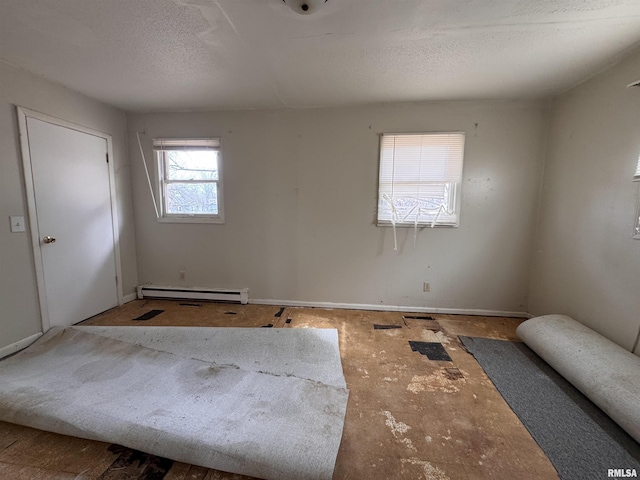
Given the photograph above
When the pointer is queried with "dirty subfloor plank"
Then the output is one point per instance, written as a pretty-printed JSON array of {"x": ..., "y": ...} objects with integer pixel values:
[{"x": 407, "y": 416}]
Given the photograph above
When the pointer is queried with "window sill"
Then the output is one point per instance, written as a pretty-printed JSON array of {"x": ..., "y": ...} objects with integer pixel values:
[
  {"x": 419, "y": 225},
  {"x": 191, "y": 219}
]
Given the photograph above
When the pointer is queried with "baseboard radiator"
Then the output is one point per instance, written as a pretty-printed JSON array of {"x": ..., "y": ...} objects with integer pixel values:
[{"x": 240, "y": 295}]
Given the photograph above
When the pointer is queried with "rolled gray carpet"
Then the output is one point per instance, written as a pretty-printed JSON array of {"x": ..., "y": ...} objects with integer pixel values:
[{"x": 603, "y": 371}]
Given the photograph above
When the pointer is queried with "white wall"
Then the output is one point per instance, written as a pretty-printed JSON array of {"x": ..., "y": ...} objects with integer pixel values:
[
  {"x": 586, "y": 264},
  {"x": 300, "y": 200},
  {"x": 19, "y": 310}
]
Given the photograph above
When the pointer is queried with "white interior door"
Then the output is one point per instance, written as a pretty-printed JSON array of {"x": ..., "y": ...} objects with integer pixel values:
[{"x": 74, "y": 221}]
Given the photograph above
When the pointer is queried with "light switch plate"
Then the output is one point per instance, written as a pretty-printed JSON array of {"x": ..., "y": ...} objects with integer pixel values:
[{"x": 17, "y": 223}]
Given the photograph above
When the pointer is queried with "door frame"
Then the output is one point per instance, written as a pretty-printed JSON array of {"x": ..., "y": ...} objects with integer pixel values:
[{"x": 23, "y": 114}]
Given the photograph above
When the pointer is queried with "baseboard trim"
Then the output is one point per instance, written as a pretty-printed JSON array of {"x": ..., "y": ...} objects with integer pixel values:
[
  {"x": 389, "y": 308},
  {"x": 19, "y": 345},
  {"x": 129, "y": 298}
]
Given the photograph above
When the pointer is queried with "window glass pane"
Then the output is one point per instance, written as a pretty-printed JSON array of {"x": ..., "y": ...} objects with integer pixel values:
[
  {"x": 433, "y": 200},
  {"x": 192, "y": 198},
  {"x": 192, "y": 165},
  {"x": 419, "y": 175}
]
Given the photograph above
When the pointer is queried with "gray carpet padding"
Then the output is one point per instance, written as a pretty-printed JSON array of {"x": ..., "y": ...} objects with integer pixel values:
[
  {"x": 185, "y": 400},
  {"x": 579, "y": 439}
]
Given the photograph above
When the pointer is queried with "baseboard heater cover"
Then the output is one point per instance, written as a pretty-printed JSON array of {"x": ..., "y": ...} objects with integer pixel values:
[{"x": 240, "y": 295}]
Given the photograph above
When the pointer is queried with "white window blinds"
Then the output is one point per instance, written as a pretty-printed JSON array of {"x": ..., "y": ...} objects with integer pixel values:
[
  {"x": 420, "y": 176},
  {"x": 186, "y": 144}
]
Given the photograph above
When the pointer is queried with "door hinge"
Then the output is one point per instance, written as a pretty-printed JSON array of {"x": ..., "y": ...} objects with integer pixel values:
[
  {"x": 107, "y": 155},
  {"x": 116, "y": 280}
]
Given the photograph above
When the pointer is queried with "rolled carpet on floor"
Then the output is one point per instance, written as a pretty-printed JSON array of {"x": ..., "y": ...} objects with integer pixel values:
[
  {"x": 579, "y": 439},
  {"x": 603, "y": 371},
  {"x": 194, "y": 398}
]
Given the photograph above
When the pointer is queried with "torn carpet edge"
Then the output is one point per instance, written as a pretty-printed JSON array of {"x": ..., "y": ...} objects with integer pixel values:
[{"x": 224, "y": 417}]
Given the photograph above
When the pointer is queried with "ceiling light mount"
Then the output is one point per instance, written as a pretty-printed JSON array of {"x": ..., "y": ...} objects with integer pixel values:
[{"x": 305, "y": 7}]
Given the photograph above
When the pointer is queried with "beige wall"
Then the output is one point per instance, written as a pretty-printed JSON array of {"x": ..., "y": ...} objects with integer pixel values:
[
  {"x": 300, "y": 197},
  {"x": 586, "y": 264},
  {"x": 300, "y": 200},
  {"x": 19, "y": 310}
]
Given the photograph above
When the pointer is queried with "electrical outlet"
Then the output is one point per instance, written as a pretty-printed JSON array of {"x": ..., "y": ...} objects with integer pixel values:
[
  {"x": 426, "y": 287},
  {"x": 183, "y": 275}
]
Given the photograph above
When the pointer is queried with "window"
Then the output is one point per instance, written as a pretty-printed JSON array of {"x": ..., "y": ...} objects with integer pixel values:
[
  {"x": 420, "y": 176},
  {"x": 190, "y": 179}
]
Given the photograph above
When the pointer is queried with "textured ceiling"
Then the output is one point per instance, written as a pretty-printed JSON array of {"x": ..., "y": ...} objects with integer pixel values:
[{"x": 158, "y": 55}]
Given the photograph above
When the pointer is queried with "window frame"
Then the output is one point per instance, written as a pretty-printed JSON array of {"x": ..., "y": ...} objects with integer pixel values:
[
  {"x": 454, "y": 189},
  {"x": 636, "y": 221},
  {"x": 162, "y": 166}
]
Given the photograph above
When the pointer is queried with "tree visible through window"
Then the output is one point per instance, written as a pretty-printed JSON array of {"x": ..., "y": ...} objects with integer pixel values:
[{"x": 190, "y": 179}]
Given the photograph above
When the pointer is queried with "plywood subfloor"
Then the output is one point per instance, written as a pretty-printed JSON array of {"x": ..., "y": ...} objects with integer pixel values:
[{"x": 407, "y": 417}]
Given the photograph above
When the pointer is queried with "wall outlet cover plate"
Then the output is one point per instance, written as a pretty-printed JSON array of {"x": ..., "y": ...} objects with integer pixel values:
[{"x": 17, "y": 224}]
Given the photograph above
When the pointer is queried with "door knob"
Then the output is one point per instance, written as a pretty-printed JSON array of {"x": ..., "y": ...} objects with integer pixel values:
[{"x": 49, "y": 239}]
